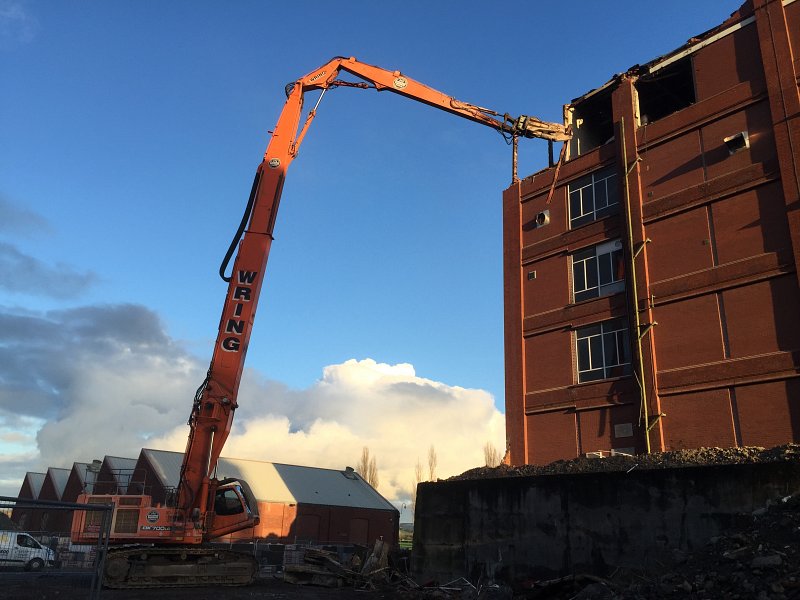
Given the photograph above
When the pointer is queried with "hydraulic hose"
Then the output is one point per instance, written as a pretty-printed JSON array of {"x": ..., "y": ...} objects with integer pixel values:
[{"x": 240, "y": 231}]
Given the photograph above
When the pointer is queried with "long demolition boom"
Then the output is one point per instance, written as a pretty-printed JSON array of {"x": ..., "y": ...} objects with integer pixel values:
[{"x": 216, "y": 400}]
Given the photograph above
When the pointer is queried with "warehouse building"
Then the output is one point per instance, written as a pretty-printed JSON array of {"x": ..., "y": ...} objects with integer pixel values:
[
  {"x": 54, "y": 483},
  {"x": 652, "y": 274},
  {"x": 295, "y": 503},
  {"x": 29, "y": 490},
  {"x": 53, "y": 487}
]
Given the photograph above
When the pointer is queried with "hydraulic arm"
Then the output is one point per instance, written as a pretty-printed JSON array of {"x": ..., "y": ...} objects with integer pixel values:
[
  {"x": 206, "y": 508},
  {"x": 216, "y": 401}
]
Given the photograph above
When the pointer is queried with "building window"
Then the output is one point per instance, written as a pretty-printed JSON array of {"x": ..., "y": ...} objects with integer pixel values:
[
  {"x": 598, "y": 271},
  {"x": 603, "y": 351},
  {"x": 593, "y": 197}
]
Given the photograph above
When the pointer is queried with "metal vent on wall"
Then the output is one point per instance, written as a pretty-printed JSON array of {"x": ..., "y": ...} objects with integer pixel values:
[{"x": 736, "y": 142}]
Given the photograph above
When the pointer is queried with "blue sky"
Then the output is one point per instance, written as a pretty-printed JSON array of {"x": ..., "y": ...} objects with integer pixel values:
[{"x": 131, "y": 132}]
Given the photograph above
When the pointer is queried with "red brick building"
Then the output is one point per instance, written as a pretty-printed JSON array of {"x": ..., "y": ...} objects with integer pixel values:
[{"x": 652, "y": 280}]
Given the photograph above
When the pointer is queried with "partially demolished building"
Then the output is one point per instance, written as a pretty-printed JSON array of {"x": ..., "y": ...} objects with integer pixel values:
[{"x": 652, "y": 276}]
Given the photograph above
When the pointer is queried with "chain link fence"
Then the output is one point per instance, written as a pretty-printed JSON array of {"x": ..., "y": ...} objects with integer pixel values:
[{"x": 36, "y": 548}]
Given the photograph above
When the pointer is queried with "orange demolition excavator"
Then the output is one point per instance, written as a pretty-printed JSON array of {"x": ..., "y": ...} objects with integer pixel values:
[{"x": 165, "y": 545}]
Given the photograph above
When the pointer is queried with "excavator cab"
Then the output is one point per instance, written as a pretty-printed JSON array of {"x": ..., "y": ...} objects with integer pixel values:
[
  {"x": 229, "y": 502},
  {"x": 235, "y": 508}
]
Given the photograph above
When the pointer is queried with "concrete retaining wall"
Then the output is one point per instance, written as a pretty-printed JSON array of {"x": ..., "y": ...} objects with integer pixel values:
[{"x": 535, "y": 527}]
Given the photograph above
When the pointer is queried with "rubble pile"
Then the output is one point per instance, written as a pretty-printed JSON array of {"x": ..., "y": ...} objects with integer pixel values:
[
  {"x": 759, "y": 560},
  {"x": 316, "y": 566},
  {"x": 674, "y": 459}
]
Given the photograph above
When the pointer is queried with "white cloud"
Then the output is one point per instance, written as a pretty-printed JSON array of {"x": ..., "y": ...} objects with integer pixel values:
[
  {"x": 18, "y": 436},
  {"x": 121, "y": 403},
  {"x": 358, "y": 403},
  {"x": 96, "y": 381},
  {"x": 78, "y": 384}
]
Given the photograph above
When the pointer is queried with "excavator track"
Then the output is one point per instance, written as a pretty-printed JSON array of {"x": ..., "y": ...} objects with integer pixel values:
[{"x": 154, "y": 567}]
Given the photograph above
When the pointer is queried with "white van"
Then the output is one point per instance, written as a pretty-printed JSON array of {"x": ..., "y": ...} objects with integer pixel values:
[{"x": 18, "y": 548}]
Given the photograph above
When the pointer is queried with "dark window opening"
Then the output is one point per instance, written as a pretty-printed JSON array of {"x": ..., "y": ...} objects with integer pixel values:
[
  {"x": 228, "y": 502},
  {"x": 592, "y": 123},
  {"x": 666, "y": 91},
  {"x": 27, "y": 542}
]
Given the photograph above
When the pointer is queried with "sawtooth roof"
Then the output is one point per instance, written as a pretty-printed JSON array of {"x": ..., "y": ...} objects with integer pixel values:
[
  {"x": 59, "y": 478},
  {"x": 118, "y": 463},
  {"x": 35, "y": 481},
  {"x": 85, "y": 475}
]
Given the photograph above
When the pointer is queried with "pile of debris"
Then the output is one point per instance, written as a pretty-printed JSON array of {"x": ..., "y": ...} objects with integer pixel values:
[
  {"x": 316, "y": 566},
  {"x": 659, "y": 460},
  {"x": 759, "y": 560}
]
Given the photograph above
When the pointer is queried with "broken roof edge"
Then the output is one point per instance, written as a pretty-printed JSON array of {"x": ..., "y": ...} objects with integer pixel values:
[{"x": 740, "y": 18}]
